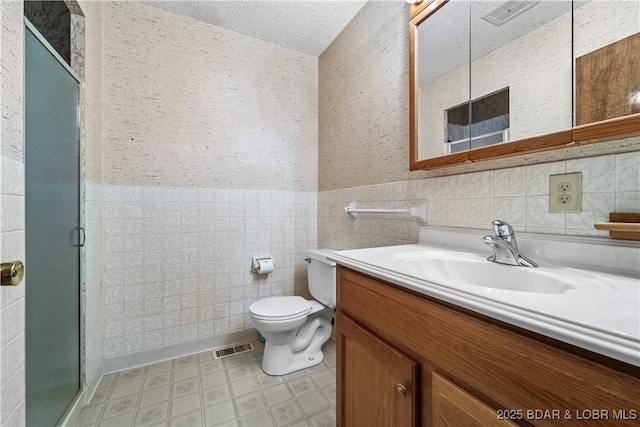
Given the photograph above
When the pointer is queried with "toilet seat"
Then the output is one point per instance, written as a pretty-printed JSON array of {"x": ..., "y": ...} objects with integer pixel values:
[{"x": 280, "y": 308}]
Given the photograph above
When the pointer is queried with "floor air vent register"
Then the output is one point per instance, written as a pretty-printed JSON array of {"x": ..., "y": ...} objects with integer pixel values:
[{"x": 221, "y": 353}]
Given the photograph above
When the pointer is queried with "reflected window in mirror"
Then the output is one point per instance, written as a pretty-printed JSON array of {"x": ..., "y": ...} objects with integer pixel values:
[{"x": 486, "y": 124}]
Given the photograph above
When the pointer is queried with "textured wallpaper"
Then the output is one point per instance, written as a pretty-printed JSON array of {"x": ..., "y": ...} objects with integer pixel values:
[
  {"x": 12, "y": 81},
  {"x": 599, "y": 23},
  {"x": 92, "y": 90},
  {"x": 77, "y": 44},
  {"x": 364, "y": 108},
  {"x": 190, "y": 104},
  {"x": 363, "y": 100}
]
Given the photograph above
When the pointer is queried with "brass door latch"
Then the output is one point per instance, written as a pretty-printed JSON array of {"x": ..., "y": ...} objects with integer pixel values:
[{"x": 12, "y": 273}]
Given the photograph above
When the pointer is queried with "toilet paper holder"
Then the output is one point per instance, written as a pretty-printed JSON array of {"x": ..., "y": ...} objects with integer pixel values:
[{"x": 255, "y": 262}]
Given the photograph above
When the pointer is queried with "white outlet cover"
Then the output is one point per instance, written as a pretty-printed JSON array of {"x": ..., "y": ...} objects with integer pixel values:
[{"x": 566, "y": 184}]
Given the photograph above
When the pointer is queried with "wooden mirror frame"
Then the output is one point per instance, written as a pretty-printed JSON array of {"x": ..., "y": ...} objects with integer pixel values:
[{"x": 606, "y": 130}]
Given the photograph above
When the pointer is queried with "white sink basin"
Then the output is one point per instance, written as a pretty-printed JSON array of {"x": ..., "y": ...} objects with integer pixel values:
[
  {"x": 593, "y": 308},
  {"x": 462, "y": 269}
]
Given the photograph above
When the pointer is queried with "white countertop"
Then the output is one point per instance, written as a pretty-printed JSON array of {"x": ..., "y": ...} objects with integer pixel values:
[{"x": 604, "y": 319}]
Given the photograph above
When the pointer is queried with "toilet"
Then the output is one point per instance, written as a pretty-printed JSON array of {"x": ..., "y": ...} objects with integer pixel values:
[{"x": 295, "y": 328}]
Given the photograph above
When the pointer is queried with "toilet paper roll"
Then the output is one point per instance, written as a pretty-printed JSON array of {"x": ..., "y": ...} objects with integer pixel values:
[{"x": 265, "y": 266}]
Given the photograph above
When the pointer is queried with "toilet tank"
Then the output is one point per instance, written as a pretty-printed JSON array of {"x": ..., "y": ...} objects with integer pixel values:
[{"x": 321, "y": 274}]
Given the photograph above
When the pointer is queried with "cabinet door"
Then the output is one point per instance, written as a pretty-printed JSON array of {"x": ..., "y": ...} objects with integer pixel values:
[
  {"x": 377, "y": 384},
  {"x": 453, "y": 407}
]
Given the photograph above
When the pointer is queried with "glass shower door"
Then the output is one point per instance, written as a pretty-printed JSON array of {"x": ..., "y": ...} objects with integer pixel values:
[{"x": 52, "y": 221}]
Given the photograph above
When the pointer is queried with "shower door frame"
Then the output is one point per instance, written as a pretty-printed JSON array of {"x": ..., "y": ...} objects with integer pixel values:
[{"x": 75, "y": 407}]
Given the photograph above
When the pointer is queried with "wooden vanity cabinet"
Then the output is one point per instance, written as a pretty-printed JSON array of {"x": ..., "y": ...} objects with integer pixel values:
[
  {"x": 371, "y": 367},
  {"x": 406, "y": 359}
]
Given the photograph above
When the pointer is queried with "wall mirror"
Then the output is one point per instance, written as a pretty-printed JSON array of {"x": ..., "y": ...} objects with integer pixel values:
[{"x": 492, "y": 78}]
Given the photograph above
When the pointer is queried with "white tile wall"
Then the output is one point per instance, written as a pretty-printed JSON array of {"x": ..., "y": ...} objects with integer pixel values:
[
  {"x": 93, "y": 280},
  {"x": 12, "y": 378},
  {"x": 338, "y": 230},
  {"x": 12, "y": 301},
  {"x": 177, "y": 260},
  {"x": 519, "y": 195}
]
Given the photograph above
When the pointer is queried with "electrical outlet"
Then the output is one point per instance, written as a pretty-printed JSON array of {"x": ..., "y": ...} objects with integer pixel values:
[
  {"x": 565, "y": 192},
  {"x": 564, "y": 199},
  {"x": 564, "y": 187}
]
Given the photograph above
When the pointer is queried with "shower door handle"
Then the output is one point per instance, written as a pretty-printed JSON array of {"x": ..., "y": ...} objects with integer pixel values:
[{"x": 81, "y": 236}]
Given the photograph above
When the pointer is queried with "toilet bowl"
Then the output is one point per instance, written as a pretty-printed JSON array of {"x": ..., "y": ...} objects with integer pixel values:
[{"x": 295, "y": 328}]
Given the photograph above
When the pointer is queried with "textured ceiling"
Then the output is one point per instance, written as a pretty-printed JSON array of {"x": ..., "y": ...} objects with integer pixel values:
[
  {"x": 445, "y": 35},
  {"x": 307, "y": 26}
]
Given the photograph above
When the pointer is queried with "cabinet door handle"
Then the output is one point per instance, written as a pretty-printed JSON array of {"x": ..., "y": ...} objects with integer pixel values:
[{"x": 402, "y": 390}]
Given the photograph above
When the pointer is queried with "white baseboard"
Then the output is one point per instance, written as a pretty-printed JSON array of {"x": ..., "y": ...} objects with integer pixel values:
[
  {"x": 154, "y": 355},
  {"x": 70, "y": 418},
  {"x": 129, "y": 361}
]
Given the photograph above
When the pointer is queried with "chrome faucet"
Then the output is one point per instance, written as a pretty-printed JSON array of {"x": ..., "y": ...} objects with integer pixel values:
[{"x": 505, "y": 247}]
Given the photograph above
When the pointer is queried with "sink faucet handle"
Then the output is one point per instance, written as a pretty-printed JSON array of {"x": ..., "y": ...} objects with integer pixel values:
[{"x": 502, "y": 228}]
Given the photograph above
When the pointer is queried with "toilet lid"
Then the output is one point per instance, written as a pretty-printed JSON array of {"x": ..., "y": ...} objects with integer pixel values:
[{"x": 280, "y": 308}]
